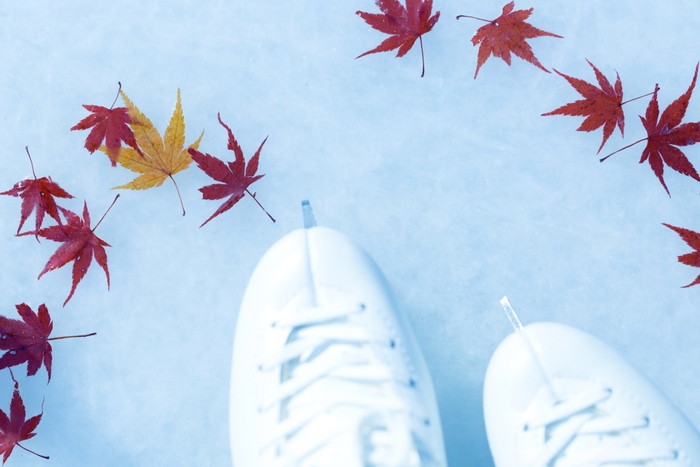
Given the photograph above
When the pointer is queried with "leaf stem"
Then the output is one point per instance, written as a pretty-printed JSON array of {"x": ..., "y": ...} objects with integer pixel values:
[
  {"x": 474, "y": 17},
  {"x": 26, "y": 148},
  {"x": 182, "y": 205},
  {"x": 622, "y": 149},
  {"x": 261, "y": 206},
  {"x": 630, "y": 100},
  {"x": 29, "y": 450},
  {"x": 117, "y": 96},
  {"x": 70, "y": 337},
  {"x": 422, "y": 57},
  {"x": 103, "y": 215}
]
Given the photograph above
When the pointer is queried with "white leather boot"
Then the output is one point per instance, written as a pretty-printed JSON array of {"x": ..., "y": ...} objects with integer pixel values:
[
  {"x": 326, "y": 371},
  {"x": 555, "y": 396}
]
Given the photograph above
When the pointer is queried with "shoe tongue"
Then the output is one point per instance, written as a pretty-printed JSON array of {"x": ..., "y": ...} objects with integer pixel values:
[
  {"x": 357, "y": 436},
  {"x": 331, "y": 439},
  {"x": 387, "y": 441},
  {"x": 351, "y": 437}
]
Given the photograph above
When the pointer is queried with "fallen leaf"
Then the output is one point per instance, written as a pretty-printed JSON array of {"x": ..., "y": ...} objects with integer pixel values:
[
  {"x": 16, "y": 428},
  {"x": 27, "y": 340},
  {"x": 236, "y": 177},
  {"x": 404, "y": 25},
  {"x": 80, "y": 244},
  {"x": 108, "y": 125},
  {"x": 692, "y": 238},
  {"x": 160, "y": 158},
  {"x": 665, "y": 133},
  {"x": 507, "y": 34},
  {"x": 37, "y": 194},
  {"x": 601, "y": 106}
]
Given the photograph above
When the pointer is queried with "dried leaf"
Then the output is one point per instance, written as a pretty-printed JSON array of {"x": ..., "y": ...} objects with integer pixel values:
[
  {"x": 666, "y": 132},
  {"x": 236, "y": 177},
  {"x": 692, "y": 238},
  {"x": 15, "y": 428},
  {"x": 160, "y": 158},
  {"x": 110, "y": 126},
  {"x": 404, "y": 25},
  {"x": 37, "y": 194},
  {"x": 601, "y": 106},
  {"x": 27, "y": 340},
  {"x": 80, "y": 244},
  {"x": 507, "y": 34}
]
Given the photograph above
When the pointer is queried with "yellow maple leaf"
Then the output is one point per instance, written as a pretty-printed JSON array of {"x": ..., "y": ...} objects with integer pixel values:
[{"x": 162, "y": 157}]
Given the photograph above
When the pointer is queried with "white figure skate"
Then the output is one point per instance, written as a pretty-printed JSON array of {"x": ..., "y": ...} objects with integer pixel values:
[
  {"x": 555, "y": 396},
  {"x": 326, "y": 372}
]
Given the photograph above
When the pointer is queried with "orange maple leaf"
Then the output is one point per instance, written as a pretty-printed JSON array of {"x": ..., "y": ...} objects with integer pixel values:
[{"x": 160, "y": 157}]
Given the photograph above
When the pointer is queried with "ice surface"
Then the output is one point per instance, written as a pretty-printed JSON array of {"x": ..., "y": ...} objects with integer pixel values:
[{"x": 457, "y": 187}]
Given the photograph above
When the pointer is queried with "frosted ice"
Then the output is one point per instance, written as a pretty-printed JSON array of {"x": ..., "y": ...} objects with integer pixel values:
[{"x": 457, "y": 187}]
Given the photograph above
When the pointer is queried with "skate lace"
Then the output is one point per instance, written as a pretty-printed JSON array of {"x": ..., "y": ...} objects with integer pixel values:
[
  {"x": 579, "y": 416},
  {"x": 333, "y": 392}
]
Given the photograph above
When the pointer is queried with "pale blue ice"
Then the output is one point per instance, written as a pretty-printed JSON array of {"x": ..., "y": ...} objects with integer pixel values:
[{"x": 457, "y": 187}]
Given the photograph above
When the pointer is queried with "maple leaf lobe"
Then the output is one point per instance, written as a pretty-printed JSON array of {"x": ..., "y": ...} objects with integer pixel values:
[{"x": 507, "y": 34}]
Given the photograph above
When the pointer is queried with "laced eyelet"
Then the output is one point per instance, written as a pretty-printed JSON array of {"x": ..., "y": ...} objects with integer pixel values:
[{"x": 392, "y": 343}]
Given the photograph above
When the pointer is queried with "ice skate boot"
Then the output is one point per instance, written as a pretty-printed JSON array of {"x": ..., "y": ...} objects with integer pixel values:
[
  {"x": 326, "y": 371},
  {"x": 555, "y": 396}
]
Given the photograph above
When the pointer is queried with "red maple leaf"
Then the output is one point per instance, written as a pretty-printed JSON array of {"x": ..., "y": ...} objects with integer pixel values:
[
  {"x": 80, "y": 244},
  {"x": 507, "y": 34},
  {"x": 404, "y": 25},
  {"x": 15, "y": 428},
  {"x": 108, "y": 125},
  {"x": 692, "y": 238},
  {"x": 27, "y": 340},
  {"x": 236, "y": 177},
  {"x": 37, "y": 194},
  {"x": 665, "y": 133},
  {"x": 601, "y": 106}
]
